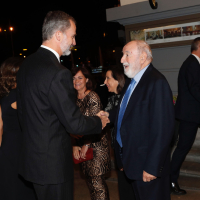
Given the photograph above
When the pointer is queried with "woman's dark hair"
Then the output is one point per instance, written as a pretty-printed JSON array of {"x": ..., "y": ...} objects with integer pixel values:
[
  {"x": 9, "y": 69},
  {"x": 90, "y": 85},
  {"x": 118, "y": 74}
]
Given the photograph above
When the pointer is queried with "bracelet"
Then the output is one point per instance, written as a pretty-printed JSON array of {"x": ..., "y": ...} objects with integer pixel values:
[{"x": 87, "y": 145}]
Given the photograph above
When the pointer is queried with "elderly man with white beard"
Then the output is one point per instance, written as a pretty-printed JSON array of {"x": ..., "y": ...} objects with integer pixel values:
[{"x": 144, "y": 124}]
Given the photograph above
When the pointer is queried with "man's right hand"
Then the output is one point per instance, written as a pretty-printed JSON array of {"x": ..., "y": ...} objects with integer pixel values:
[
  {"x": 102, "y": 113},
  {"x": 104, "y": 118},
  {"x": 104, "y": 121}
]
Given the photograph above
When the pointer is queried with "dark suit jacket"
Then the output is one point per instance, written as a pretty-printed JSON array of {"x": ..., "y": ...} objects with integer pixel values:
[
  {"x": 147, "y": 127},
  {"x": 48, "y": 113},
  {"x": 187, "y": 106}
]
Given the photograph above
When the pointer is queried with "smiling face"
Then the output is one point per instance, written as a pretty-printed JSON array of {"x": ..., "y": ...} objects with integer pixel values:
[
  {"x": 131, "y": 60},
  {"x": 110, "y": 82},
  {"x": 68, "y": 40},
  {"x": 79, "y": 81}
]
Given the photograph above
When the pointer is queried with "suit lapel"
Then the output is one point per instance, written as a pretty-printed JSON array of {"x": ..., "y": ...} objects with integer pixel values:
[{"x": 136, "y": 95}]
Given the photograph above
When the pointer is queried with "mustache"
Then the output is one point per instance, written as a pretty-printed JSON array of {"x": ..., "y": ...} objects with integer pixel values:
[{"x": 125, "y": 64}]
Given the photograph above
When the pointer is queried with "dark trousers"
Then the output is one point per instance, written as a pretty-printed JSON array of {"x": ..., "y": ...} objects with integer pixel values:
[
  {"x": 158, "y": 189},
  {"x": 125, "y": 187},
  {"x": 62, "y": 191},
  {"x": 187, "y": 133}
]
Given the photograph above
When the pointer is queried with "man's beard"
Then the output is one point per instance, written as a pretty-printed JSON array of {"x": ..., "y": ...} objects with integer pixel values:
[
  {"x": 66, "y": 49},
  {"x": 133, "y": 69}
]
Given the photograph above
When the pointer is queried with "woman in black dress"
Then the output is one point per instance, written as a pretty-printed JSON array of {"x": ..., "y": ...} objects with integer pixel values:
[
  {"x": 115, "y": 81},
  {"x": 12, "y": 186}
]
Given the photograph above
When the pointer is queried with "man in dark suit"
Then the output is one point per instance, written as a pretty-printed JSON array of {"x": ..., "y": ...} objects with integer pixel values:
[
  {"x": 144, "y": 124},
  {"x": 48, "y": 113},
  {"x": 187, "y": 111}
]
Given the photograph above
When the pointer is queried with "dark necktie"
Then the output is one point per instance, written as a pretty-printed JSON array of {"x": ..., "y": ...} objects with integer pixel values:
[{"x": 123, "y": 108}]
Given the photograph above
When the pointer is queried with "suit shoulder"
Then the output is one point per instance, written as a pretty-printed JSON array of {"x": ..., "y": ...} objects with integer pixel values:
[
  {"x": 63, "y": 72},
  {"x": 157, "y": 79},
  {"x": 190, "y": 64},
  {"x": 190, "y": 61},
  {"x": 156, "y": 75},
  {"x": 42, "y": 64}
]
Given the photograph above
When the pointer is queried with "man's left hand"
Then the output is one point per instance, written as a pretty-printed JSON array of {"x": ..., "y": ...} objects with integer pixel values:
[{"x": 148, "y": 177}]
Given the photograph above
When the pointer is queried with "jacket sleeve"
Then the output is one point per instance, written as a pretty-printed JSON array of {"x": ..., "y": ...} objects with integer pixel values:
[
  {"x": 161, "y": 127},
  {"x": 62, "y": 98},
  {"x": 113, "y": 114},
  {"x": 193, "y": 79},
  {"x": 19, "y": 101}
]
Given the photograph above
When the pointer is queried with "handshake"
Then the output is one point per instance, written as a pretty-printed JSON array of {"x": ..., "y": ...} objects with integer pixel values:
[{"x": 104, "y": 118}]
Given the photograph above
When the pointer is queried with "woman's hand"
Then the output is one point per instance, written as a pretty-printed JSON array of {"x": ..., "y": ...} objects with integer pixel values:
[
  {"x": 76, "y": 153},
  {"x": 83, "y": 151}
]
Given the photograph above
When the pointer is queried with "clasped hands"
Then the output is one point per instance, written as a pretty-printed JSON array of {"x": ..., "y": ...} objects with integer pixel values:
[
  {"x": 80, "y": 152},
  {"x": 104, "y": 118}
]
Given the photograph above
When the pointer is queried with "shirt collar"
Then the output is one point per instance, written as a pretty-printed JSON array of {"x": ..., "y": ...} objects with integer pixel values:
[
  {"x": 138, "y": 76},
  {"x": 53, "y": 51},
  {"x": 196, "y": 57}
]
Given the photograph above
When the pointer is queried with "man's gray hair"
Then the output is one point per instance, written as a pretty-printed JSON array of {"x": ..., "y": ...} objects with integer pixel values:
[
  {"x": 55, "y": 21},
  {"x": 144, "y": 47}
]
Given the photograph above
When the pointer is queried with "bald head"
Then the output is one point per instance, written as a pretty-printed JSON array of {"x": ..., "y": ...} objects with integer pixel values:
[
  {"x": 136, "y": 56},
  {"x": 144, "y": 47}
]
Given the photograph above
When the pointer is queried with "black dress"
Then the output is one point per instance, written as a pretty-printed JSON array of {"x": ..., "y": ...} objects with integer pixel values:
[
  {"x": 124, "y": 184},
  {"x": 12, "y": 186}
]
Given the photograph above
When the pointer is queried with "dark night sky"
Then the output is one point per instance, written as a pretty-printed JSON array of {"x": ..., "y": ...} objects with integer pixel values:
[{"x": 27, "y": 18}]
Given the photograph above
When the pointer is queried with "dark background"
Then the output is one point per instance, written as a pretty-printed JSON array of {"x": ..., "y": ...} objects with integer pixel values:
[{"x": 93, "y": 31}]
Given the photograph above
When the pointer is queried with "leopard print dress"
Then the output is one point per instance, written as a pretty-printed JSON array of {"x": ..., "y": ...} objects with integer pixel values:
[{"x": 90, "y": 105}]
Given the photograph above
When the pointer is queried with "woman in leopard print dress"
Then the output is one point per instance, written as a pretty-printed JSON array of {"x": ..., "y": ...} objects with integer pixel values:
[{"x": 94, "y": 170}]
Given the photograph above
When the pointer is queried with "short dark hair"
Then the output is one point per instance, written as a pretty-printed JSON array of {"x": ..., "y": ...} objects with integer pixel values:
[
  {"x": 55, "y": 21},
  {"x": 90, "y": 85},
  {"x": 195, "y": 44},
  {"x": 118, "y": 74},
  {"x": 9, "y": 69}
]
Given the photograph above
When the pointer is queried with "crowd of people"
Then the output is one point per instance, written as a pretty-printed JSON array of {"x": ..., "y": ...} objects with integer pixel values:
[{"x": 49, "y": 115}]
